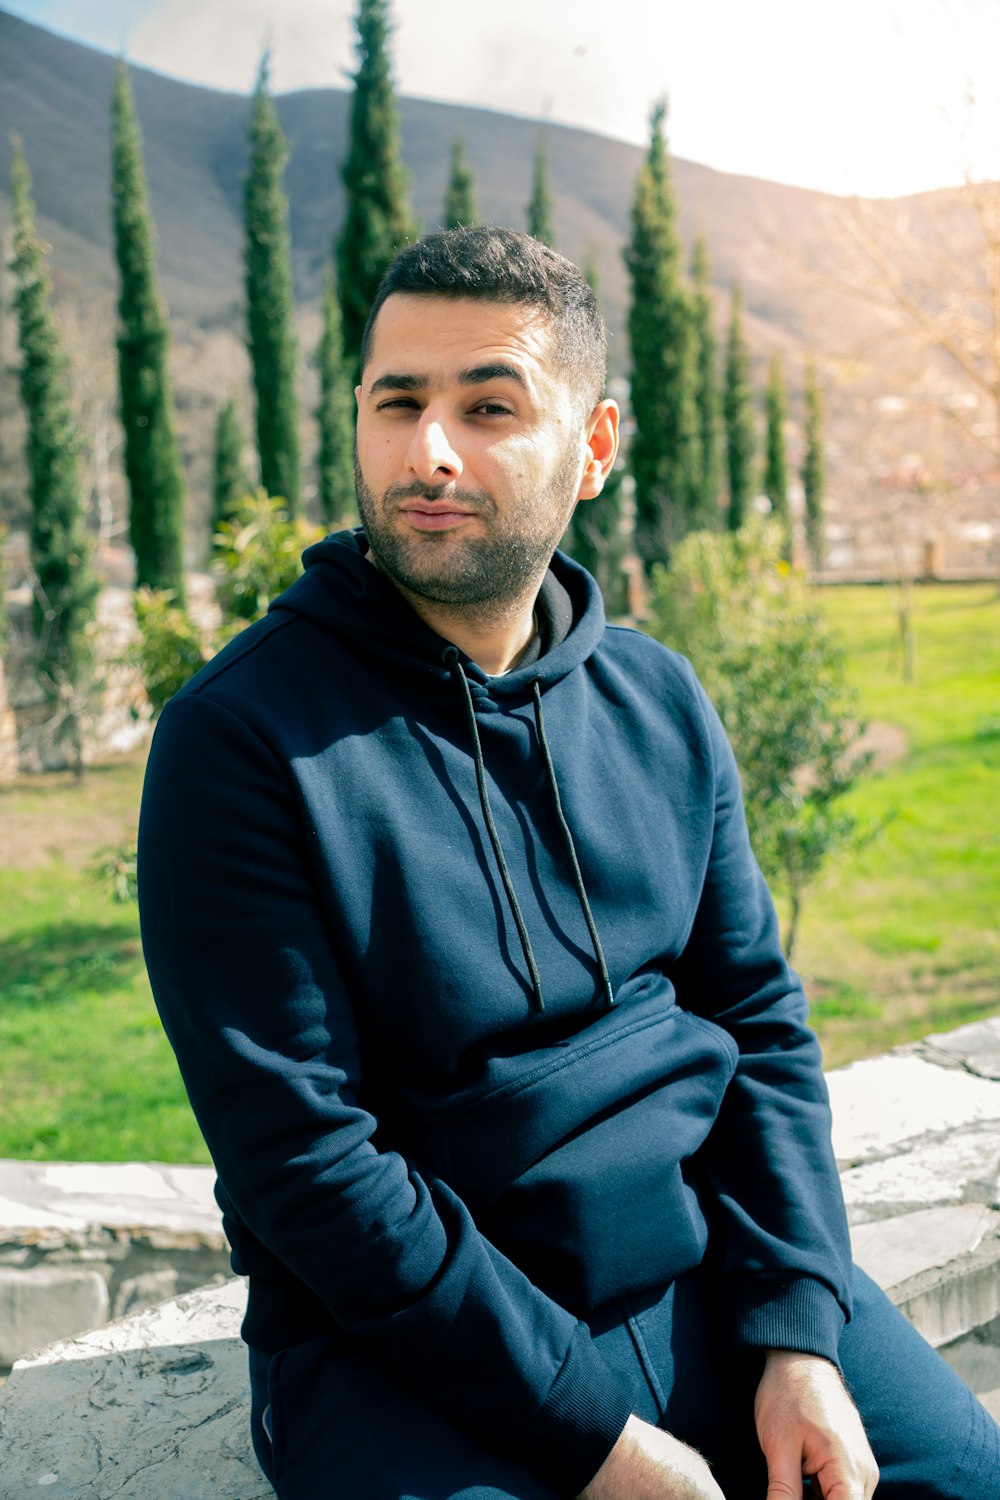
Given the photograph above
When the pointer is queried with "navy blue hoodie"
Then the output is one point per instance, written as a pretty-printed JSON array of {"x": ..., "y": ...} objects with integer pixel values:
[{"x": 478, "y": 996}]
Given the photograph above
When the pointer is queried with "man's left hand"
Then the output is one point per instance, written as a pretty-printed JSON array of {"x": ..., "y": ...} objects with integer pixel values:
[{"x": 808, "y": 1424}]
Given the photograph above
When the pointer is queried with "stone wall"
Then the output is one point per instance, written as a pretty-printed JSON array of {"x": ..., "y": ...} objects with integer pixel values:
[
  {"x": 84, "y": 1242},
  {"x": 154, "y": 1405}
]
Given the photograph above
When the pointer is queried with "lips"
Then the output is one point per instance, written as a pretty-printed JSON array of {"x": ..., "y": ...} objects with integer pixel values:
[{"x": 434, "y": 517}]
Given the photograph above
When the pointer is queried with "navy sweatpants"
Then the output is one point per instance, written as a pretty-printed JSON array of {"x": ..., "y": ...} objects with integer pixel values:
[{"x": 344, "y": 1430}]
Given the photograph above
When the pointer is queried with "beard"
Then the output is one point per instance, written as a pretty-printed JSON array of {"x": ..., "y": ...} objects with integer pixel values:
[{"x": 486, "y": 574}]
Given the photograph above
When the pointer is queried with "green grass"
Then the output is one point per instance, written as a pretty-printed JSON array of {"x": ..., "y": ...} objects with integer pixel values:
[
  {"x": 899, "y": 937},
  {"x": 85, "y": 1070}
]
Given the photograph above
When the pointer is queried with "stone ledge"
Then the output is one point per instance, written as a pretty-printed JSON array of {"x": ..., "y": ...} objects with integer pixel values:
[
  {"x": 152, "y": 1407},
  {"x": 940, "y": 1266},
  {"x": 41, "y": 1201},
  {"x": 82, "y": 1241}
]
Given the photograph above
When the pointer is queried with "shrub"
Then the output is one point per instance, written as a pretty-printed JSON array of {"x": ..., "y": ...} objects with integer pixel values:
[{"x": 770, "y": 664}]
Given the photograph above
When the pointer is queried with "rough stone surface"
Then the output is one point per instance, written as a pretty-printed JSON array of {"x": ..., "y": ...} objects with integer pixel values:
[
  {"x": 960, "y": 1166},
  {"x": 940, "y": 1266},
  {"x": 976, "y": 1358},
  {"x": 888, "y": 1104},
  {"x": 896, "y": 1249},
  {"x": 144, "y": 1230},
  {"x": 38, "y": 1197},
  {"x": 150, "y": 1408},
  {"x": 154, "y": 1407},
  {"x": 46, "y": 1303},
  {"x": 974, "y": 1048}
]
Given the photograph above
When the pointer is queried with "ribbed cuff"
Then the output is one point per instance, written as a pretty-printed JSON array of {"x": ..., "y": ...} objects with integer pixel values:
[
  {"x": 581, "y": 1419},
  {"x": 781, "y": 1310}
]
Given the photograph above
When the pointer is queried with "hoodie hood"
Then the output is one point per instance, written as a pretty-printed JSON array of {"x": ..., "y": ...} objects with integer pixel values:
[{"x": 341, "y": 591}]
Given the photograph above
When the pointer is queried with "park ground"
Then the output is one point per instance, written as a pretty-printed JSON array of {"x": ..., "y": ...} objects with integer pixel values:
[{"x": 899, "y": 936}]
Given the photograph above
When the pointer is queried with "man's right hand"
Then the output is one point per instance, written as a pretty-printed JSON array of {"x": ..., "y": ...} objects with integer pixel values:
[{"x": 647, "y": 1464}]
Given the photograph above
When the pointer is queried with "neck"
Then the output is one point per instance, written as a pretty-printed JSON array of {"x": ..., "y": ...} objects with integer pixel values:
[
  {"x": 495, "y": 640},
  {"x": 494, "y": 645}
]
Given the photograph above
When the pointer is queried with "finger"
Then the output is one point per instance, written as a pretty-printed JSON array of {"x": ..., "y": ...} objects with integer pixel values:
[
  {"x": 833, "y": 1484},
  {"x": 784, "y": 1478}
]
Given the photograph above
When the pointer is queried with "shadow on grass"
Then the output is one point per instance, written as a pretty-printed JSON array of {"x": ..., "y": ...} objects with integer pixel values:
[{"x": 50, "y": 965}]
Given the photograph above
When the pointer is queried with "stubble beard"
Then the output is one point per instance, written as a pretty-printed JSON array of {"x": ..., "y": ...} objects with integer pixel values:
[{"x": 484, "y": 576}]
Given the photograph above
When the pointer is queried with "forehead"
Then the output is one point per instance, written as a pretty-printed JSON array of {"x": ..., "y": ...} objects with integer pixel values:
[{"x": 442, "y": 336}]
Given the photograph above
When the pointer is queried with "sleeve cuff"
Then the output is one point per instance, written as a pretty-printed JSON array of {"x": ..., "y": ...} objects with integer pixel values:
[
  {"x": 781, "y": 1310},
  {"x": 581, "y": 1419}
]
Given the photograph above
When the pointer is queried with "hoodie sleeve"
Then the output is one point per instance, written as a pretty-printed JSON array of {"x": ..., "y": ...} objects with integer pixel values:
[
  {"x": 779, "y": 1228},
  {"x": 253, "y": 1000}
]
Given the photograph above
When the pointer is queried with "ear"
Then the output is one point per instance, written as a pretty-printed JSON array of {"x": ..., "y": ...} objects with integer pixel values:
[{"x": 601, "y": 435}]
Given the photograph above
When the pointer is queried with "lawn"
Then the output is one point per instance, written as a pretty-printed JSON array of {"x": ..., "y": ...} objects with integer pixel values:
[
  {"x": 85, "y": 1070},
  {"x": 899, "y": 937},
  {"x": 902, "y": 937}
]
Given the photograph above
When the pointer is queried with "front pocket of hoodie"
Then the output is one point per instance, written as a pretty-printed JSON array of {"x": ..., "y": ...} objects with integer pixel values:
[{"x": 578, "y": 1173}]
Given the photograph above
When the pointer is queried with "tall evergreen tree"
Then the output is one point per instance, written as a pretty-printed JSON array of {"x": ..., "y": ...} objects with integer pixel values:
[
  {"x": 152, "y": 461},
  {"x": 270, "y": 299},
  {"x": 460, "y": 199},
  {"x": 666, "y": 448},
  {"x": 594, "y": 537},
  {"x": 707, "y": 386},
  {"x": 230, "y": 483},
  {"x": 539, "y": 207},
  {"x": 377, "y": 221},
  {"x": 66, "y": 585},
  {"x": 741, "y": 437},
  {"x": 335, "y": 415},
  {"x": 813, "y": 468},
  {"x": 775, "y": 459}
]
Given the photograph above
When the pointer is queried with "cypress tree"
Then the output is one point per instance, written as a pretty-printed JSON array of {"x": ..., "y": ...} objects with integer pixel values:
[
  {"x": 230, "y": 484},
  {"x": 707, "y": 387},
  {"x": 775, "y": 461},
  {"x": 594, "y": 537},
  {"x": 377, "y": 221},
  {"x": 813, "y": 475},
  {"x": 539, "y": 207},
  {"x": 741, "y": 440},
  {"x": 666, "y": 449},
  {"x": 270, "y": 300},
  {"x": 152, "y": 462},
  {"x": 335, "y": 415},
  {"x": 66, "y": 585},
  {"x": 460, "y": 198}
]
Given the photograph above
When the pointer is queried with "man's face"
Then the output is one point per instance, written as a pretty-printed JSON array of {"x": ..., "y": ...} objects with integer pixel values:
[{"x": 471, "y": 449}]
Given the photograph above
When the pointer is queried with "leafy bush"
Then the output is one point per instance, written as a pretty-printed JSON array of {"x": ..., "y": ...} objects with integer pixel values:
[
  {"x": 170, "y": 648},
  {"x": 731, "y": 603},
  {"x": 258, "y": 554}
]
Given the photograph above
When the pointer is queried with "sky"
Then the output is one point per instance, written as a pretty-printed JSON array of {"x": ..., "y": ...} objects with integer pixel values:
[{"x": 875, "y": 97}]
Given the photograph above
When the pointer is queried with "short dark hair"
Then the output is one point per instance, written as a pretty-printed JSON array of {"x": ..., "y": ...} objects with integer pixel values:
[{"x": 488, "y": 264}]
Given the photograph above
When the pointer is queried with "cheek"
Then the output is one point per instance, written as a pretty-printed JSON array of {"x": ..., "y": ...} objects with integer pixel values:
[{"x": 519, "y": 463}]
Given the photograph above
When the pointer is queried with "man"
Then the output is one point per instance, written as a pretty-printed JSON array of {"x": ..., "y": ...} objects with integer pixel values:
[{"x": 477, "y": 991}]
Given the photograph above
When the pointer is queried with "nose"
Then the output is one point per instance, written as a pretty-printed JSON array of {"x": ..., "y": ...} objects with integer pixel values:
[{"x": 431, "y": 456}]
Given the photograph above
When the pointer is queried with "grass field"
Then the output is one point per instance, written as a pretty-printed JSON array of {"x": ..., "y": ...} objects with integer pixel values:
[
  {"x": 902, "y": 937},
  {"x": 899, "y": 938},
  {"x": 85, "y": 1070}
]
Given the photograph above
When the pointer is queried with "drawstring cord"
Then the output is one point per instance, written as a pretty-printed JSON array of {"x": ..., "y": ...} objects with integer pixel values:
[
  {"x": 451, "y": 656},
  {"x": 581, "y": 889},
  {"x": 453, "y": 660}
]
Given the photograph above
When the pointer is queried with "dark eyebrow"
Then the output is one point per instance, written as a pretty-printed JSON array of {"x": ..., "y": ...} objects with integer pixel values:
[
  {"x": 482, "y": 374},
  {"x": 392, "y": 382}
]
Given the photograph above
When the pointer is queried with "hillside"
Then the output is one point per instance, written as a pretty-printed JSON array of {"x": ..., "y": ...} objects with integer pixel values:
[{"x": 786, "y": 246}]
